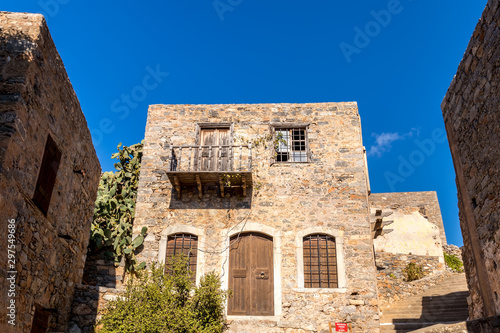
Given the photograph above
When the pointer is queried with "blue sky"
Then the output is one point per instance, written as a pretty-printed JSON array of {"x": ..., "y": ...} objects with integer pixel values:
[{"x": 395, "y": 58}]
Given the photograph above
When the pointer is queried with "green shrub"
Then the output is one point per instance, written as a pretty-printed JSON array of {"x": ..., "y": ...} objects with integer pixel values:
[
  {"x": 413, "y": 272},
  {"x": 453, "y": 262},
  {"x": 158, "y": 302}
]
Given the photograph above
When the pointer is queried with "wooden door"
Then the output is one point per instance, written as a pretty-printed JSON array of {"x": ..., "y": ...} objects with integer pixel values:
[
  {"x": 210, "y": 159},
  {"x": 251, "y": 275}
]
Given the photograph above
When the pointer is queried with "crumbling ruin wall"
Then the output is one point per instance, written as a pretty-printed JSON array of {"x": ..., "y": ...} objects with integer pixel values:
[
  {"x": 418, "y": 226},
  {"x": 472, "y": 119},
  {"x": 37, "y": 100}
]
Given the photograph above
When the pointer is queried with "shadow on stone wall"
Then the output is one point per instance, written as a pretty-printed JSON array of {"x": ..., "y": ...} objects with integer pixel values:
[
  {"x": 448, "y": 308},
  {"x": 102, "y": 281},
  {"x": 211, "y": 198}
]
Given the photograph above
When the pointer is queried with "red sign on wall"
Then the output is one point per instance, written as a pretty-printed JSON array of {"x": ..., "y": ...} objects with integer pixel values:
[{"x": 341, "y": 327}]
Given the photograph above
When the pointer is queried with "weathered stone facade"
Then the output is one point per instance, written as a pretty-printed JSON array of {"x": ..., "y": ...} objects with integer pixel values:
[
  {"x": 472, "y": 119},
  {"x": 391, "y": 279},
  {"x": 287, "y": 201},
  {"x": 102, "y": 281},
  {"x": 37, "y": 100}
]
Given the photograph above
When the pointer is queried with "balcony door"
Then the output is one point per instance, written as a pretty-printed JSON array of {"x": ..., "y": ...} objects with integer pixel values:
[{"x": 214, "y": 158}]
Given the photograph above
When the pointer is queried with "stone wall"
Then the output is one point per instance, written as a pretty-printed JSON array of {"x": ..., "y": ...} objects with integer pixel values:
[
  {"x": 472, "y": 119},
  {"x": 102, "y": 281},
  {"x": 453, "y": 250},
  {"x": 408, "y": 208},
  {"x": 37, "y": 99},
  {"x": 327, "y": 195},
  {"x": 392, "y": 286}
]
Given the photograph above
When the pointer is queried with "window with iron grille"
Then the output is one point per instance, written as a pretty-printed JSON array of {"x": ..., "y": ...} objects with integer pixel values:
[
  {"x": 182, "y": 243},
  {"x": 47, "y": 175},
  {"x": 291, "y": 145},
  {"x": 320, "y": 262}
]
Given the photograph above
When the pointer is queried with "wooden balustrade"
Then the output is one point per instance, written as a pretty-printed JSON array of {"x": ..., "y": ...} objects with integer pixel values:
[{"x": 219, "y": 158}]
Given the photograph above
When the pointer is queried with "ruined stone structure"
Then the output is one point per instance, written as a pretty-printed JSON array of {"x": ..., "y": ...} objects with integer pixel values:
[
  {"x": 471, "y": 114},
  {"x": 417, "y": 235},
  {"x": 418, "y": 226},
  {"x": 49, "y": 173}
]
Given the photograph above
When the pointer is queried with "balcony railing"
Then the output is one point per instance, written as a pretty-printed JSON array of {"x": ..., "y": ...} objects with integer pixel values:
[
  {"x": 222, "y": 165},
  {"x": 223, "y": 158}
]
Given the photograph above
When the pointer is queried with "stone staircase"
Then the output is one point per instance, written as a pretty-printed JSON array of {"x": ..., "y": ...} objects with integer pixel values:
[{"x": 444, "y": 303}]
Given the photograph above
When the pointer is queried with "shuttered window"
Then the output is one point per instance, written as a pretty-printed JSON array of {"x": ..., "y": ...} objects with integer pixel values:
[
  {"x": 40, "y": 321},
  {"x": 182, "y": 243},
  {"x": 47, "y": 175},
  {"x": 320, "y": 262}
]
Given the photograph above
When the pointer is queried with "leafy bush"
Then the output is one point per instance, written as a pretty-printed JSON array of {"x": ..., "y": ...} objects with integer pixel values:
[
  {"x": 114, "y": 209},
  {"x": 158, "y": 302},
  {"x": 413, "y": 272},
  {"x": 453, "y": 262}
]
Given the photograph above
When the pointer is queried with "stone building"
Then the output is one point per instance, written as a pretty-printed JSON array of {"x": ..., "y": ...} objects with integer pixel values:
[
  {"x": 275, "y": 198},
  {"x": 49, "y": 173},
  {"x": 265, "y": 219},
  {"x": 472, "y": 119}
]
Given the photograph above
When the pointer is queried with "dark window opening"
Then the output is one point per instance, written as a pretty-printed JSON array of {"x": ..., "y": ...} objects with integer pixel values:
[
  {"x": 47, "y": 175},
  {"x": 291, "y": 145},
  {"x": 320, "y": 262},
  {"x": 40, "y": 321},
  {"x": 182, "y": 243}
]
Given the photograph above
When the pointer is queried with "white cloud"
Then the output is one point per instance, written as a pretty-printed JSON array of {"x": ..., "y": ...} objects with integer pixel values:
[{"x": 383, "y": 141}]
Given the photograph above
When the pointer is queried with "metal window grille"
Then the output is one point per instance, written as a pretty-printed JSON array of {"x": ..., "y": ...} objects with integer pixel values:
[
  {"x": 291, "y": 145},
  {"x": 320, "y": 262},
  {"x": 182, "y": 243}
]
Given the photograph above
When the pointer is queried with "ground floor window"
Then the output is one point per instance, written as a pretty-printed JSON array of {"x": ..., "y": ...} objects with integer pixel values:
[
  {"x": 182, "y": 243},
  {"x": 320, "y": 261}
]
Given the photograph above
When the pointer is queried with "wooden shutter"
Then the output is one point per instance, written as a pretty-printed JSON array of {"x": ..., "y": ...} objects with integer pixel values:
[
  {"x": 40, "y": 321},
  {"x": 251, "y": 275},
  {"x": 47, "y": 175},
  {"x": 182, "y": 243},
  {"x": 320, "y": 262},
  {"x": 215, "y": 137}
]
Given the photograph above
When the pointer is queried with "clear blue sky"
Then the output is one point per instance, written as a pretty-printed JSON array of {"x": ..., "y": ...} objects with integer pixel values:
[{"x": 395, "y": 58}]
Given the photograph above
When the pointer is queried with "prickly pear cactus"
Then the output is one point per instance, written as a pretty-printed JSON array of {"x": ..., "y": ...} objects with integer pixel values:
[{"x": 115, "y": 208}]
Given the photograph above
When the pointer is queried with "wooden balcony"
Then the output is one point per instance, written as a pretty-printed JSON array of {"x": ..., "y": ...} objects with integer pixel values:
[{"x": 223, "y": 166}]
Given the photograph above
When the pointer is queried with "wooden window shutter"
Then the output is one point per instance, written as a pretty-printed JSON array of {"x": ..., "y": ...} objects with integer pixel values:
[
  {"x": 186, "y": 244},
  {"x": 320, "y": 262},
  {"x": 47, "y": 175},
  {"x": 40, "y": 321}
]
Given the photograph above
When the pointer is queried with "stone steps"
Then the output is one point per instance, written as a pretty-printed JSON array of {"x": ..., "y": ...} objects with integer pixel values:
[{"x": 444, "y": 304}]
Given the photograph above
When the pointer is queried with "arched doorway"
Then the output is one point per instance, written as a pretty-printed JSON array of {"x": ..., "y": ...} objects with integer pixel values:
[{"x": 251, "y": 275}]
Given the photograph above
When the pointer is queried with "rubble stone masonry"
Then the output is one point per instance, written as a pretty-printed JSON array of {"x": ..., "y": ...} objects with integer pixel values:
[
  {"x": 287, "y": 201},
  {"x": 37, "y": 100},
  {"x": 471, "y": 111}
]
